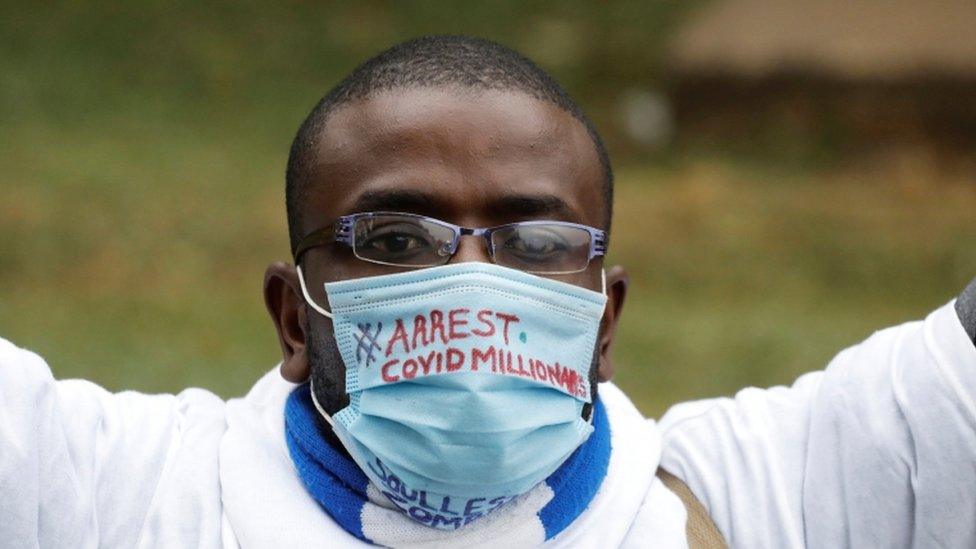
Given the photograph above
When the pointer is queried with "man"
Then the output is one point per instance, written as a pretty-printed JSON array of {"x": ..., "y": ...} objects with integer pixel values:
[{"x": 446, "y": 332}]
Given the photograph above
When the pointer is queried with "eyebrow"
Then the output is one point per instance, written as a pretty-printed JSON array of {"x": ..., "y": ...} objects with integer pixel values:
[
  {"x": 515, "y": 207},
  {"x": 528, "y": 206},
  {"x": 397, "y": 200}
]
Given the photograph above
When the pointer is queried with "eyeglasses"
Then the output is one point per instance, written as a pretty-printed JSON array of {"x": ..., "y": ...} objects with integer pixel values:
[{"x": 410, "y": 240}]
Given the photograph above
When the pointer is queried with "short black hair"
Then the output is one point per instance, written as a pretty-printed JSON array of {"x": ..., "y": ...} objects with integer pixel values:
[{"x": 431, "y": 61}]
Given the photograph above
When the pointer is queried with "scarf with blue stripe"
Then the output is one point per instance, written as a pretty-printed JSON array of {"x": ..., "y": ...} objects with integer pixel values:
[{"x": 340, "y": 487}]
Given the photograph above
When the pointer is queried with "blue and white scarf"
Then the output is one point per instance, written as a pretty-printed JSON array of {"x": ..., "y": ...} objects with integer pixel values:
[{"x": 344, "y": 492}]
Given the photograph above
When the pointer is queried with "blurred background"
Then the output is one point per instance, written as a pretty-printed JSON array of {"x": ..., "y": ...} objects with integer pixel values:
[{"x": 792, "y": 175}]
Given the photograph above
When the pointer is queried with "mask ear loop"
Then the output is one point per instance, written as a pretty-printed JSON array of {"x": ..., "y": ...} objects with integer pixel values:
[
  {"x": 603, "y": 284},
  {"x": 314, "y": 305},
  {"x": 311, "y": 380},
  {"x": 315, "y": 401}
]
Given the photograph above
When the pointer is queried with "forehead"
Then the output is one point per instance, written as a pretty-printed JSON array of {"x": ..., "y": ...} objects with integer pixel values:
[{"x": 473, "y": 157}]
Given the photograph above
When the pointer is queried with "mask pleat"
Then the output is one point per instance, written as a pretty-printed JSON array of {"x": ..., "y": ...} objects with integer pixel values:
[
  {"x": 469, "y": 412},
  {"x": 446, "y": 466}
]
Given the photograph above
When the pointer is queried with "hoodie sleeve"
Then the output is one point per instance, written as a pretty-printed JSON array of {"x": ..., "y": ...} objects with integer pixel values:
[
  {"x": 878, "y": 450},
  {"x": 82, "y": 467}
]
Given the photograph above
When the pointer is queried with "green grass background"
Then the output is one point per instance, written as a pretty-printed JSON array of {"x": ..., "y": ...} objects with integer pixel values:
[{"x": 141, "y": 197}]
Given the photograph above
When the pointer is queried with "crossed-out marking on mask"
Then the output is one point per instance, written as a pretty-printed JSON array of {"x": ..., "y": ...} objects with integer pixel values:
[{"x": 367, "y": 342}]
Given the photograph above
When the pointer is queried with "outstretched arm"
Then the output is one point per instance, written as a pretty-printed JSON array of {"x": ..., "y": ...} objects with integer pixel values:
[
  {"x": 878, "y": 450},
  {"x": 966, "y": 309},
  {"x": 80, "y": 466}
]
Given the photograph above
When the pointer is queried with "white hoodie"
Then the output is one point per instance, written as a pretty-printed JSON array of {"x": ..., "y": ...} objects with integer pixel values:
[{"x": 879, "y": 450}]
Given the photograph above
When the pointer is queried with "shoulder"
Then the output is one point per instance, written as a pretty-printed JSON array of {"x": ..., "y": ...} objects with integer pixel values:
[{"x": 21, "y": 367}]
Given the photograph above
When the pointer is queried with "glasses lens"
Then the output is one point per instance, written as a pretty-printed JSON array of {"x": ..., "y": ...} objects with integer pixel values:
[
  {"x": 542, "y": 248},
  {"x": 402, "y": 240}
]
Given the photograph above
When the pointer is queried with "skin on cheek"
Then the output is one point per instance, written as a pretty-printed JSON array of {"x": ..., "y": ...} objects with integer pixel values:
[{"x": 326, "y": 368}]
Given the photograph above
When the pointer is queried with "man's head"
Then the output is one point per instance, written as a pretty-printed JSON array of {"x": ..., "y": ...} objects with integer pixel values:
[
  {"x": 458, "y": 62},
  {"x": 459, "y": 129}
]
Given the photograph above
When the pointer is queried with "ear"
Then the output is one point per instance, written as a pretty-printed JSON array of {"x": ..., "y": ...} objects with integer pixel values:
[
  {"x": 617, "y": 282},
  {"x": 283, "y": 298}
]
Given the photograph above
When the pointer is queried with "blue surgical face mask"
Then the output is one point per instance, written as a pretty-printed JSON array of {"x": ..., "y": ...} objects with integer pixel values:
[{"x": 466, "y": 383}]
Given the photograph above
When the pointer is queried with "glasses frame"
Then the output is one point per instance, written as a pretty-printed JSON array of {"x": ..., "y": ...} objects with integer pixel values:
[{"x": 342, "y": 232}]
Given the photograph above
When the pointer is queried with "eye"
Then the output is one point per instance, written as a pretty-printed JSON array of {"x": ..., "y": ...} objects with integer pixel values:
[
  {"x": 537, "y": 243},
  {"x": 395, "y": 239}
]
